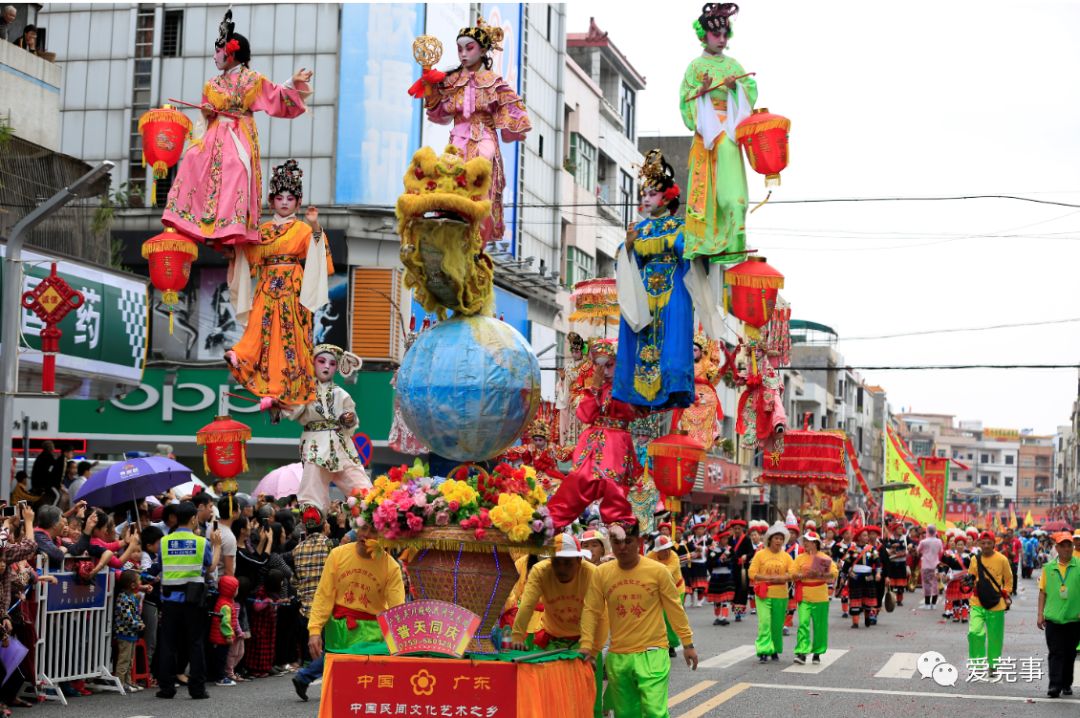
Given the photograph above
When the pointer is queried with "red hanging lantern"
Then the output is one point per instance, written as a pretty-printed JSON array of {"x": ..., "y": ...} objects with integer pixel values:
[
  {"x": 675, "y": 463},
  {"x": 163, "y": 133},
  {"x": 170, "y": 255},
  {"x": 225, "y": 454},
  {"x": 764, "y": 136},
  {"x": 754, "y": 285}
]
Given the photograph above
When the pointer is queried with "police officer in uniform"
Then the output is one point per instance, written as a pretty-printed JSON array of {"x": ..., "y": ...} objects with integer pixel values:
[{"x": 186, "y": 562}]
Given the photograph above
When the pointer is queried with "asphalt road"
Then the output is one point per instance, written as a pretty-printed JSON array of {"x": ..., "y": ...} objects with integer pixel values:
[{"x": 869, "y": 671}]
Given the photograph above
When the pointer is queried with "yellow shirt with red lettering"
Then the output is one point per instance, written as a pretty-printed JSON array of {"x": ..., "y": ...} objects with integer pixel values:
[
  {"x": 815, "y": 594},
  {"x": 371, "y": 585},
  {"x": 672, "y": 564},
  {"x": 514, "y": 599},
  {"x": 768, "y": 564},
  {"x": 635, "y": 602},
  {"x": 563, "y": 603}
]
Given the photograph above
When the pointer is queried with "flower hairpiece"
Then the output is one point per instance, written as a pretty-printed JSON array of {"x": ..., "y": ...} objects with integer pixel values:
[{"x": 232, "y": 46}]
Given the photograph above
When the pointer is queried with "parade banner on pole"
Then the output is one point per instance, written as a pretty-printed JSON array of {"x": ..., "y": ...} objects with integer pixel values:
[
  {"x": 917, "y": 503},
  {"x": 935, "y": 475}
]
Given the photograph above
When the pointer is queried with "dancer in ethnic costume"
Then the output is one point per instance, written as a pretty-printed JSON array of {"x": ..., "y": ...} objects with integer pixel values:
[
  {"x": 896, "y": 569},
  {"x": 480, "y": 103},
  {"x": 862, "y": 567},
  {"x": 742, "y": 550},
  {"x": 291, "y": 264},
  {"x": 714, "y": 97},
  {"x": 217, "y": 194},
  {"x": 721, "y": 590}
]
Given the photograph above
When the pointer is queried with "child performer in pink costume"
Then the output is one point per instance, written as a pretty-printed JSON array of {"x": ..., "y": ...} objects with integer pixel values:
[
  {"x": 479, "y": 102},
  {"x": 217, "y": 194},
  {"x": 605, "y": 463}
]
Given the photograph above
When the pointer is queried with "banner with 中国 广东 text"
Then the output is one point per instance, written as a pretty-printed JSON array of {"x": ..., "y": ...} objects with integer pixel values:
[{"x": 389, "y": 686}]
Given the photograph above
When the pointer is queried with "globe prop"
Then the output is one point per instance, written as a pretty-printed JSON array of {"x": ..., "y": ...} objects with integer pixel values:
[{"x": 468, "y": 387}]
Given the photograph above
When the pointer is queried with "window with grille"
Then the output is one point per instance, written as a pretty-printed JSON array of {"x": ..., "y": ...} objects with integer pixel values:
[
  {"x": 172, "y": 35},
  {"x": 579, "y": 266},
  {"x": 583, "y": 160}
]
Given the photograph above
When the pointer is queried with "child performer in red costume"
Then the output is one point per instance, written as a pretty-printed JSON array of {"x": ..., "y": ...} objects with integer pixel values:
[{"x": 605, "y": 463}]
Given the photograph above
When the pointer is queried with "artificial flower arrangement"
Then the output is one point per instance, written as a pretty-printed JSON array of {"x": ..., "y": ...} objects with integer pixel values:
[{"x": 405, "y": 501}]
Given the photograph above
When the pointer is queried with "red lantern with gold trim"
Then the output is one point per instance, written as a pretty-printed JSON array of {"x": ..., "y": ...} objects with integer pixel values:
[
  {"x": 675, "y": 463},
  {"x": 163, "y": 131},
  {"x": 170, "y": 255},
  {"x": 754, "y": 285},
  {"x": 764, "y": 137},
  {"x": 225, "y": 454}
]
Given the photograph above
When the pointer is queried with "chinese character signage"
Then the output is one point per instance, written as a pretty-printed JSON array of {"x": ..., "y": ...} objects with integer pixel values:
[
  {"x": 425, "y": 687},
  {"x": 428, "y": 627},
  {"x": 720, "y": 474},
  {"x": 67, "y": 594},
  {"x": 105, "y": 337}
]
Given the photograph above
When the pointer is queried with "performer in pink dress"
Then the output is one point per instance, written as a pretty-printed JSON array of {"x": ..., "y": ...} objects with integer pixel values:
[
  {"x": 478, "y": 102},
  {"x": 217, "y": 194},
  {"x": 605, "y": 463}
]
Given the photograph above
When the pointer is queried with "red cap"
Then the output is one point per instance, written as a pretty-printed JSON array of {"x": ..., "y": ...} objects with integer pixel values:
[
  {"x": 987, "y": 535},
  {"x": 872, "y": 529},
  {"x": 736, "y": 522}
]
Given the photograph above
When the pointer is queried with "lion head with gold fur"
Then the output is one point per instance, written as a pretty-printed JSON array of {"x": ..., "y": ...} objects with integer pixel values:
[{"x": 439, "y": 218}]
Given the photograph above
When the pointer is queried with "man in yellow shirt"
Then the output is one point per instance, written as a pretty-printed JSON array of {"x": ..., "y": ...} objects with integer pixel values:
[
  {"x": 813, "y": 571},
  {"x": 635, "y": 593},
  {"x": 356, "y": 585},
  {"x": 664, "y": 553},
  {"x": 986, "y": 630},
  {"x": 771, "y": 568},
  {"x": 562, "y": 584}
]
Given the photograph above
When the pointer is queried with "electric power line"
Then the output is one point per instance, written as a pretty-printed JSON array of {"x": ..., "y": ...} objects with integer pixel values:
[
  {"x": 928, "y": 367},
  {"x": 963, "y": 329}
]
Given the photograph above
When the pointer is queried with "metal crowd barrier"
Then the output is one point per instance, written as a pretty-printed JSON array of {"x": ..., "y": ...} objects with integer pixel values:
[{"x": 74, "y": 633}]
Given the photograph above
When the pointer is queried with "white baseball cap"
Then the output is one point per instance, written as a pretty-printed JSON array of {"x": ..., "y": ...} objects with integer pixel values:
[
  {"x": 566, "y": 546},
  {"x": 663, "y": 543}
]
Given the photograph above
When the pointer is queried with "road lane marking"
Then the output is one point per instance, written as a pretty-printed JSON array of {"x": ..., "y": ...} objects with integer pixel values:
[
  {"x": 689, "y": 693},
  {"x": 917, "y": 694},
  {"x": 729, "y": 658},
  {"x": 829, "y": 658},
  {"x": 899, "y": 665},
  {"x": 719, "y": 699}
]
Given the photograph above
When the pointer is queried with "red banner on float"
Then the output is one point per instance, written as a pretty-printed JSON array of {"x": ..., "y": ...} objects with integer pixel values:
[{"x": 425, "y": 687}]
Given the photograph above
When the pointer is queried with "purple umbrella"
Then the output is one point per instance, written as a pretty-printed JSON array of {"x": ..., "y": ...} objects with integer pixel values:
[{"x": 128, "y": 481}]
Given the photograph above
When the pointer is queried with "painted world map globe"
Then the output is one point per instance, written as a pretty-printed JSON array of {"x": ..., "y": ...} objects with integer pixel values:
[{"x": 468, "y": 387}]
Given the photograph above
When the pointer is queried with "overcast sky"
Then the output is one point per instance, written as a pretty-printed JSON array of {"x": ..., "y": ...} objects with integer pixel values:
[{"x": 909, "y": 99}]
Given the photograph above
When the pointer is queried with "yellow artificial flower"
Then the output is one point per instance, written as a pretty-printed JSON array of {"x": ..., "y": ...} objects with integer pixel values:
[
  {"x": 537, "y": 497},
  {"x": 418, "y": 469},
  {"x": 519, "y": 533},
  {"x": 458, "y": 491},
  {"x": 512, "y": 516}
]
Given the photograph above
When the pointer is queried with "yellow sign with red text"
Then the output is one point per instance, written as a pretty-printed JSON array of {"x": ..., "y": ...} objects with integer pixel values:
[{"x": 916, "y": 503}]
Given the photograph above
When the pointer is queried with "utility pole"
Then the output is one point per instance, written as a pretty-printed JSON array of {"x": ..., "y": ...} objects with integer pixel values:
[{"x": 12, "y": 302}]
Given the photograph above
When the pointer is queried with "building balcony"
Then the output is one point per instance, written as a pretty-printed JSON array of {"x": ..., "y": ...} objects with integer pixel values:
[
  {"x": 611, "y": 113},
  {"x": 31, "y": 97}
]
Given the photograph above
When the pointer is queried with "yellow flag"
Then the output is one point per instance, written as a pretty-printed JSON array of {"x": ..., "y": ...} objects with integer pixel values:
[
  {"x": 915, "y": 503},
  {"x": 1028, "y": 520},
  {"x": 1013, "y": 523}
]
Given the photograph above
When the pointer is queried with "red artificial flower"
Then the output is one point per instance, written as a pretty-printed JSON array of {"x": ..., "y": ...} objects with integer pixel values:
[
  {"x": 231, "y": 47},
  {"x": 397, "y": 473},
  {"x": 672, "y": 192}
]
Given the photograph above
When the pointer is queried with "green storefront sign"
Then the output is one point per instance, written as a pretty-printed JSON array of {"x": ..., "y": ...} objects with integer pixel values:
[
  {"x": 103, "y": 339},
  {"x": 173, "y": 407}
]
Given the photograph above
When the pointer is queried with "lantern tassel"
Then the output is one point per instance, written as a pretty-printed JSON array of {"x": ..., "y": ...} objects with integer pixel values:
[
  {"x": 170, "y": 322},
  {"x": 205, "y": 463},
  {"x": 762, "y": 202}
]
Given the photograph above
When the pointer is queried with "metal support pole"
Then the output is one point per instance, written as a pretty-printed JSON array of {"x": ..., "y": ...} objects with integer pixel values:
[{"x": 12, "y": 299}]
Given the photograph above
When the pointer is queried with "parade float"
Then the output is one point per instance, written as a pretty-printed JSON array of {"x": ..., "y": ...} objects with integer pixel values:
[{"x": 467, "y": 388}]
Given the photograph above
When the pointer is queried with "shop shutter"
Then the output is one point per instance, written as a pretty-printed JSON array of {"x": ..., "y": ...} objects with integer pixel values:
[{"x": 376, "y": 322}]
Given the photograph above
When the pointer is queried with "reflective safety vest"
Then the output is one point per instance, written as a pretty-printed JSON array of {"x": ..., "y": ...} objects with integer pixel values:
[{"x": 182, "y": 556}]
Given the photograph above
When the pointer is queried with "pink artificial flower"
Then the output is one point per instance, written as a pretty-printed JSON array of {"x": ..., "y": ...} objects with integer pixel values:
[
  {"x": 454, "y": 506},
  {"x": 442, "y": 519},
  {"x": 537, "y": 526},
  {"x": 416, "y": 523},
  {"x": 479, "y": 534}
]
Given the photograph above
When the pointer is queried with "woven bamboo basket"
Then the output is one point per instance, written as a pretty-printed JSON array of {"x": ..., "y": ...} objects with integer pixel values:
[{"x": 451, "y": 564}]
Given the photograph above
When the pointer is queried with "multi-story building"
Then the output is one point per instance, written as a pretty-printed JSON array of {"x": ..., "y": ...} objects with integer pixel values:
[
  {"x": 1035, "y": 486},
  {"x": 353, "y": 143}
]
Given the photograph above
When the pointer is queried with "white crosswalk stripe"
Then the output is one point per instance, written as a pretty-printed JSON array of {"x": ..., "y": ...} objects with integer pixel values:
[
  {"x": 830, "y": 657},
  {"x": 899, "y": 665},
  {"x": 729, "y": 658}
]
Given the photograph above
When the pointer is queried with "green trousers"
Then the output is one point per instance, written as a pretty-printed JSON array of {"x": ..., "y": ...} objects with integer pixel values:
[
  {"x": 598, "y": 704},
  {"x": 816, "y": 613},
  {"x": 638, "y": 684},
  {"x": 986, "y": 634},
  {"x": 771, "y": 613}
]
